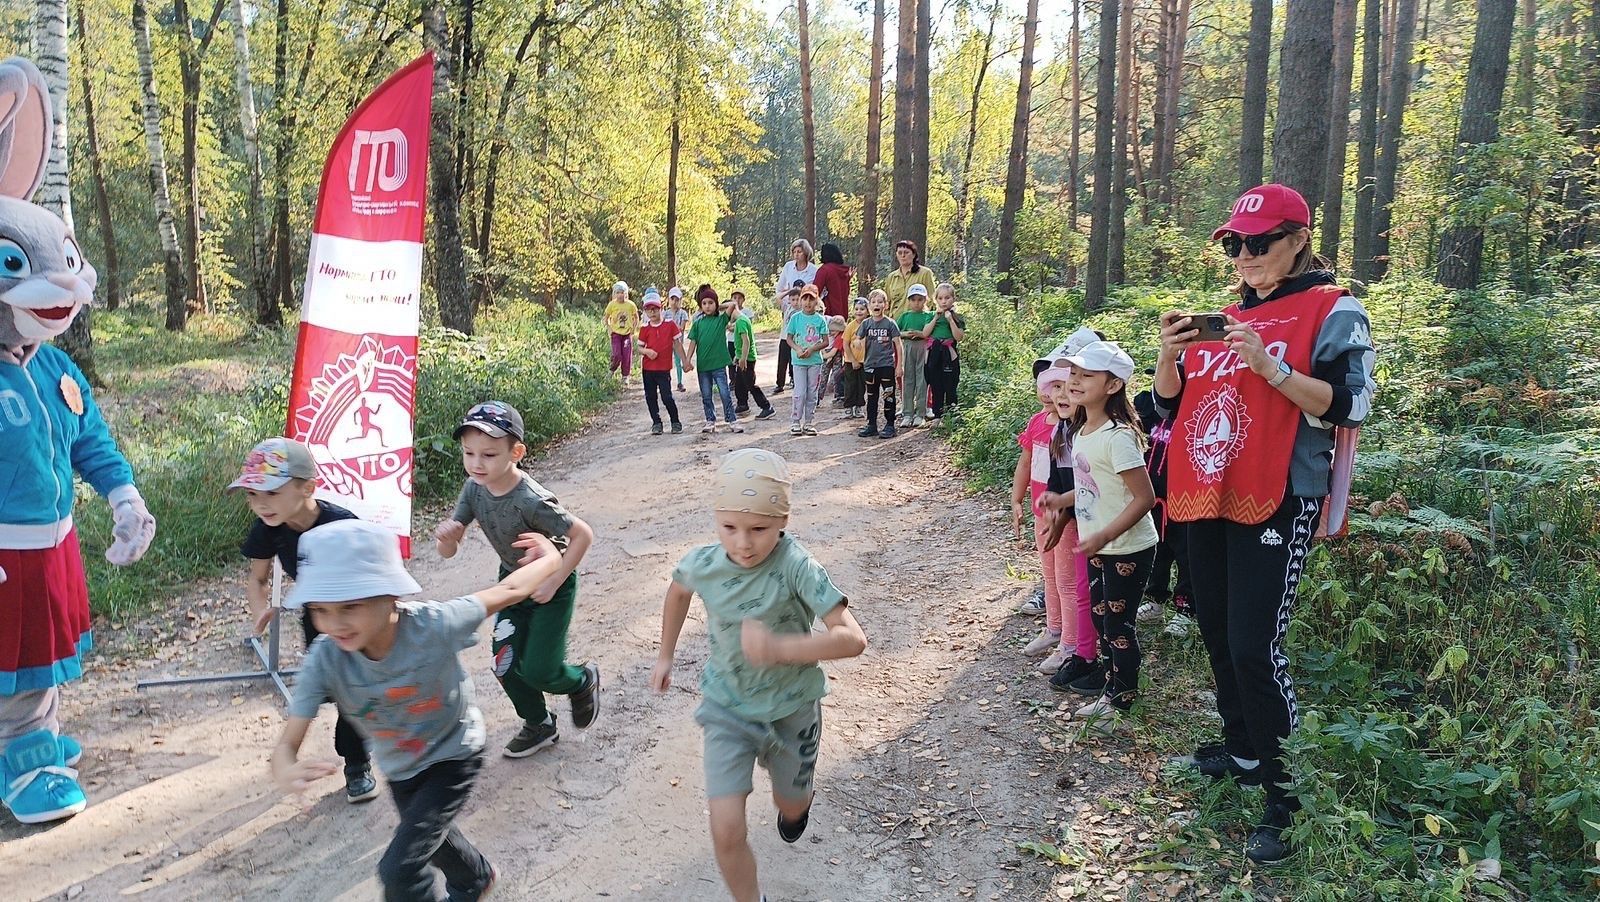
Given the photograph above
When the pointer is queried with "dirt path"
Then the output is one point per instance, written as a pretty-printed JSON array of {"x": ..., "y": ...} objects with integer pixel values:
[{"x": 935, "y": 763}]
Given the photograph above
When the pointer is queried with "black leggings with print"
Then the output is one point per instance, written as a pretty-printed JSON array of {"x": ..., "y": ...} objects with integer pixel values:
[{"x": 1116, "y": 583}]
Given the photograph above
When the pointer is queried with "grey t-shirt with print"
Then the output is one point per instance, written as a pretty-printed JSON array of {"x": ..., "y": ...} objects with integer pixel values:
[
  {"x": 879, "y": 334},
  {"x": 528, "y": 507},
  {"x": 416, "y": 705}
]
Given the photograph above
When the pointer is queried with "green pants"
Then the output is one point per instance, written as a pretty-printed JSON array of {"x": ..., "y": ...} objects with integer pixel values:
[{"x": 530, "y": 651}]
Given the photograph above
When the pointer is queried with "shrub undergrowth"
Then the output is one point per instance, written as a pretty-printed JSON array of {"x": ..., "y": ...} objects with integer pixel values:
[{"x": 1444, "y": 650}]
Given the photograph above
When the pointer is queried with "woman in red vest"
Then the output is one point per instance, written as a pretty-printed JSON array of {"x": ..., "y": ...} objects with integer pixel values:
[{"x": 1249, "y": 467}]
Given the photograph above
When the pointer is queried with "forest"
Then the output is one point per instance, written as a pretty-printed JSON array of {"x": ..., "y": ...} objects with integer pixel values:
[{"x": 1057, "y": 162}]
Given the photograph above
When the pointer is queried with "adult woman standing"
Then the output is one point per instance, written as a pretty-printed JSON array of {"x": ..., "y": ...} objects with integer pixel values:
[
  {"x": 798, "y": 272},
  {"x": 1249, "y": 465},
  {"x": 909, "y": 269},
  {"x": 833, "y": 281}
]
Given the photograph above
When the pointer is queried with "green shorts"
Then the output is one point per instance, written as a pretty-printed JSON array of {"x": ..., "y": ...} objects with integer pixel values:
[{"x": 786, "y": 748}]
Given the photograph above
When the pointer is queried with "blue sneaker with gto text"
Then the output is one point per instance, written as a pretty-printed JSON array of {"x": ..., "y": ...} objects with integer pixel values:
[{"x": 38, "y": 785}]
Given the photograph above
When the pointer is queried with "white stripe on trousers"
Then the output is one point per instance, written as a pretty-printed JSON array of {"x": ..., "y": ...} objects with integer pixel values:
[{"x": 1299, "y": 548}]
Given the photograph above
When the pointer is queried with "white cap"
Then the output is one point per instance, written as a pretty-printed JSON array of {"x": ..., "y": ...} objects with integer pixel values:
[
  {"x": 651, "y": 296},
  {"x": 349, "y": 560},
  {"x": 620, "y": 286},
  {"x": 917, "y": 289},
  {"x": 1075, "y": 342},
  {"x": 675, "y": 292},
  {"x": 1104, "y": 357}
]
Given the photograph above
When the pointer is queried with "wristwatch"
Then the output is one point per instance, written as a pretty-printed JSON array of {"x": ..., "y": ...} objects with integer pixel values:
[{"x": 1284, "y": 372}]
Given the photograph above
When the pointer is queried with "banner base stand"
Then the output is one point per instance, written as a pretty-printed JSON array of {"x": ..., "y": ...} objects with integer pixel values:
[{"x": 267, "y": 654}]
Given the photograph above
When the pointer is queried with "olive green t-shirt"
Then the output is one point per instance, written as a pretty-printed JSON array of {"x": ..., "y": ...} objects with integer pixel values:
[
  {"x": 529, "y": 507},
  {"x": 788, "y": 592}
]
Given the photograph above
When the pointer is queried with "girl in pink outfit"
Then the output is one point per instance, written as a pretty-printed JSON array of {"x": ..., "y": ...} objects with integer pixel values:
[{"x": 1061, "y": 634}]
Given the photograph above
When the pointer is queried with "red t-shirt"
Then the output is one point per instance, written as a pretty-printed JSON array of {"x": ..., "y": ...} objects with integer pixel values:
[
  {"x": 833, "y": 281},
  {"x": 659, "y": 339},
  {"x": 1036, "y": 439}
]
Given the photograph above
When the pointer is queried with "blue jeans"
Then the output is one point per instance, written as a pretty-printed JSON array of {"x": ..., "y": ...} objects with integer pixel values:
[{"x": 719, "y": 379}]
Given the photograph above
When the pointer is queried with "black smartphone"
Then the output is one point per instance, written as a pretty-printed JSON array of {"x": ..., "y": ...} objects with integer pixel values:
[{"x": 1212, "y": 326}]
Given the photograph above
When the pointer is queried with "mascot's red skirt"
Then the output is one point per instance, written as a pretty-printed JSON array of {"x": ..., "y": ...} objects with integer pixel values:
[{"x": 44, "y": 617}]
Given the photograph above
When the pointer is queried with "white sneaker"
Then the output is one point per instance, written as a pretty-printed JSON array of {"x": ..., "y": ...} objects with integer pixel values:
[
  {"x": 735, "y": 427},
  {"x": 1181, "y": 625},
  {"x": 1099, "y": 716},
  {"x": 903, "y": 423},
  {"x": 1042, "y": 644},
  {"x": 795, "y": 429},
  {"x": 918, "y": 422},
  {"x": 709, "y": 427},
  {"x": 1050, "y": 665},
  {"x": 1149, "y": 612}
]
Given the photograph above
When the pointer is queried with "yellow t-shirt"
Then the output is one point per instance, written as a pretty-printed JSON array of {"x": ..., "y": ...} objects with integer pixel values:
[
  {"x": 622, "y": 317},
  {"x": 850, "y": 355}
]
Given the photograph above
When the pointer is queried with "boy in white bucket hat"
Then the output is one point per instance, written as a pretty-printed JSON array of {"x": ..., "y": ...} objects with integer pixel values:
[{"x": 391, "y": 666}]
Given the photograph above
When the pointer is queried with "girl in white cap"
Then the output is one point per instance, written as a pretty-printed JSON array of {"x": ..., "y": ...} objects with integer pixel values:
[{"x": 622, "y": 318}]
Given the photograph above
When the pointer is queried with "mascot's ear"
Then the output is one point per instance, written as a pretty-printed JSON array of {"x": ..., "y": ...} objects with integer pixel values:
[{"x": 25, "y": 127}]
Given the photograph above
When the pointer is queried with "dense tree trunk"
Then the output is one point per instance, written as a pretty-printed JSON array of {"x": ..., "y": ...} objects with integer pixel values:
[
  {"x": 189, "y": 56},
  {"x": 1253, "y": 124},
  {"x": 268, "y": 312},
  {"x": 1074, "y": 181},
  {"x": 1390, "y": 133},
  {"x": 1362, "y": 232},
  {"x": 449, "y": 259},
  {"x": 867, "y": 270},
  {"x": 1164, "y": 161},
  {"x": 675, "y": 150},
  {"x": 808, "y": 216},
  {"x": 905, "y": 106},
  {"x": 962, "y": 180},
  {"x": 1094, "y": 292},
  {"x": 1017, "y": 159},
  {"x": 1461, "y": 248},
  {"x": 1583, "y": 226},
  {"x": 1116, "y": 251},
  {"x": 166, "y": 227},
  {"x": 1528, "y": 50},
  {"x": 1344, "y": 56},
  {"x": 498, "y": 145},
  {"x": 1300, "y": 141},
  {"x": 921, "y": 126},
  {"x": 108, "y": 266}
]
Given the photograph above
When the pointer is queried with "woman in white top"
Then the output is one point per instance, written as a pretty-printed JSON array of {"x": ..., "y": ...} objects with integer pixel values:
[{"x": 799, "y": 270}]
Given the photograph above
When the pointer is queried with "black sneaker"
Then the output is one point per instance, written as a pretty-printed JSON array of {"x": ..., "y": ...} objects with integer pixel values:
[
  {"x": 869, "y": 431},
  {"x": 888, "y": 431},
  {"x": 1221, "y": 765},
  {"x": 1266, "y": 845},
  {"x": 778, "y": 390},
  {"x": 1091, "y": 682},
  {"x": 766, "y": 413},
  {"x": 677, "y": 428},
  {"x": 1070, "y": 669},
  {"x": 655, "y": 428},
  {"x": 531, "y": 738},
  {"x": 359, "y": 785},
  {"x": 791, "y": 832},
  {"x": 586, "y": 701}
]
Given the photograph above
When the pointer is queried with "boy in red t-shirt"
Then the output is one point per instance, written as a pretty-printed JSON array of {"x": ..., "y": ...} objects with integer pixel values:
[{"x": 658, "y": 339}]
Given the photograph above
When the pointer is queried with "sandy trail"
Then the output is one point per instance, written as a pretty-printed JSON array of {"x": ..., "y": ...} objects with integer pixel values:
[{"x": 932, "y": 768}]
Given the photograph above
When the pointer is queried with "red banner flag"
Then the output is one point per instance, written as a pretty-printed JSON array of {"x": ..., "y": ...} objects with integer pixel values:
[{"x": 352, "y": 399}]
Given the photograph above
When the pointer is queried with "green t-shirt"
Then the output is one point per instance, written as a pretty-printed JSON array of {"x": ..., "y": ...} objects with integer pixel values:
[
  {"x": 744, "y": 335},
  {"x": 806, "y": 329},
  {"x": 710, "y": 337},
  {"x": 941, "y": 329},
  {"x": 788, "y": 592},
  {"x": 912, "y": 321}
]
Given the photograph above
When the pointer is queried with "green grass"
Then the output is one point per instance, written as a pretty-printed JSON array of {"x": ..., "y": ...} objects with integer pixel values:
[
  {"x": 1444, "y": 651},
  {"x": 186, "y": 407}
]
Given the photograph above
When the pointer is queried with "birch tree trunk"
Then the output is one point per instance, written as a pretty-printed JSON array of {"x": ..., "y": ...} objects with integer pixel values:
[
  {"x": 1017, "y": 160},
  {"x": 268, "y": 311},
  {"x": 166, "y": 226},
  {"x": 55, "y": 193}
]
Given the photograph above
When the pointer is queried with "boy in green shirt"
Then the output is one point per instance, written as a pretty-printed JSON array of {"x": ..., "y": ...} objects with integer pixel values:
[
  {"x": 707, "y": 348},
  {"x": 761, "y": 686},
  {"x": 914, "y": 325},
  {"x": 744, "y": 360}
]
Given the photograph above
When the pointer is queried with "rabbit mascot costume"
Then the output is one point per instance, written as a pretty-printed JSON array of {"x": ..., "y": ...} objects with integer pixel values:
[{"x": 49, "y": 429}]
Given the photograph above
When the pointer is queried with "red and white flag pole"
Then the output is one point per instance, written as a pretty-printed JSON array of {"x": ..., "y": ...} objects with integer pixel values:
[{"x": 352, "y": 398}]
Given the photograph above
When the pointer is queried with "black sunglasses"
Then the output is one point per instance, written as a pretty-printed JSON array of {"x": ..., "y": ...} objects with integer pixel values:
[{"x": 1232, "y": 245}]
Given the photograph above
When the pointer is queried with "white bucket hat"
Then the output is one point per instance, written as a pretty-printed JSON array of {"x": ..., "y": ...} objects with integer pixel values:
[{"x": 348, "y": 560}]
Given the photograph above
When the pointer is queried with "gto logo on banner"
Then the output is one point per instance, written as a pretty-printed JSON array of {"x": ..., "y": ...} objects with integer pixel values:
[{"x": 353, "y": 394}]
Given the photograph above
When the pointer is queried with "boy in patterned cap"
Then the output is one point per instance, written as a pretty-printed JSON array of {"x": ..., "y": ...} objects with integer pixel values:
[{"x": 762, "y": 687}]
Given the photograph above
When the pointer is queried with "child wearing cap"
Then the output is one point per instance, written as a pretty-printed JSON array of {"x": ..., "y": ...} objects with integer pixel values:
[
  {"x": 1029, "y": 482},
  {"x": 707, "y": 348},
  {"x": 622, "y": 318},
  {"x": 1111, "y": 499},
  {"x": 855, "y": 386},
  {"x": 806, "y": 334},
  {"x": 914, "y": 324},
  {"x": 761, "y": 686},
  {"x": 660, "y": 345},
  {"x": 392, "y": 667},
  {"x": 679, "y": 317},
  {"x": 279, "y": 480},
  {"x": 530, "y": 638},
  {"x": 744, "y": 362}
]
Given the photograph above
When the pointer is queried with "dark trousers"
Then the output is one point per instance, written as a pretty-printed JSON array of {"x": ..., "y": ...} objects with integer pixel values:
[
  {"x": 658, "y": 394},
  {"x": 944, "y": 376},
  {"x": 745, "y": 388},
  {"x": 1116, "y": 582},
  {"x": 855, "y": 386},
  {"x": 880, "y": 383},
  {"x": 347, "y": 739},
  {"x": 428, "y": 839},
  {"x": 1245, "y": 579},
  {"x": 783, "y": 365},
  {"x": 1172, "y": 554}
]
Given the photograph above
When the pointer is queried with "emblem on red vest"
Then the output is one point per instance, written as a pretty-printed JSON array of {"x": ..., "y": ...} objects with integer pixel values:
[{"x": 1217, "y": 431}]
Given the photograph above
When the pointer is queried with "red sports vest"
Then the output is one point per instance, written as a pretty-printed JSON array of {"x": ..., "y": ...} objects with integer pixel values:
[{"x": 1234, "y": 433}]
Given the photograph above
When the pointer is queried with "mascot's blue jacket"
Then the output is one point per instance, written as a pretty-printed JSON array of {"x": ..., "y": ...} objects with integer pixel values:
[{"x": 49, "y": 427}]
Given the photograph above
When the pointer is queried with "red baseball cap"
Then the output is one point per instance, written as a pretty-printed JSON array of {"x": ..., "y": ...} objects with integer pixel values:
[{"x": 1262, "y": 209}]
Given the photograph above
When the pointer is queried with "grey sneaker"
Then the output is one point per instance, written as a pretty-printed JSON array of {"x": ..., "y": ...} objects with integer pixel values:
[
  {"x": 586, "y": 701},
  {"x": 531, "y": 738},
  {"x": 359, "y": 785}
]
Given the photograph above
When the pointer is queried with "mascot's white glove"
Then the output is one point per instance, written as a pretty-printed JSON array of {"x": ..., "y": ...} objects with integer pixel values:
[{"x": 132, "y": 526}]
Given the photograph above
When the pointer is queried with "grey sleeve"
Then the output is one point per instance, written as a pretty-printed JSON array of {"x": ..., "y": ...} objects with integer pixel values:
[
  {"x": 1344, "y": 358},
  {"x": 542, "y": 513},
  {"x": 1166, "y": 407},
  {"x": 463, "y": 511},
  {"x": 310, "y": 683}
]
